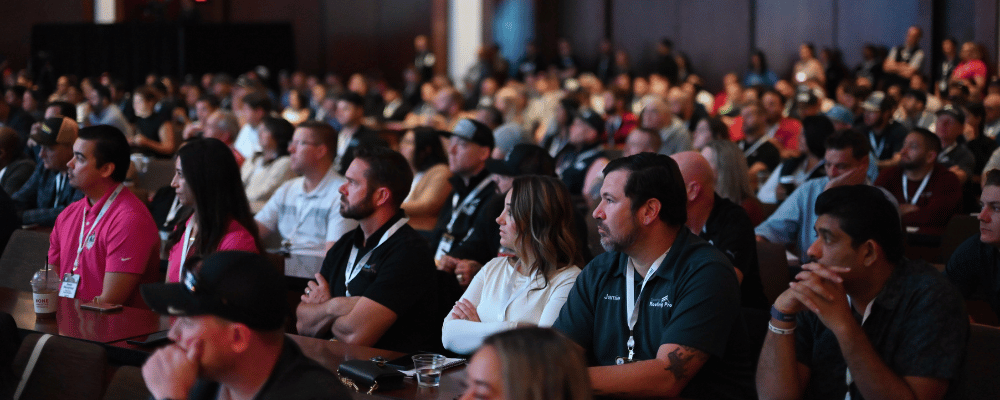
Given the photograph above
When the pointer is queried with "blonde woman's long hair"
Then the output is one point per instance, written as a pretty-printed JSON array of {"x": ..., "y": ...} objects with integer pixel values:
[{"x": 540, "y": 364}]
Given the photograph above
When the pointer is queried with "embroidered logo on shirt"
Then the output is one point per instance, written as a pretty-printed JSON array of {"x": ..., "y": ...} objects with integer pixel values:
[
  {"x": 610, "y": 297},
  {"x": 662, "y": 302}
]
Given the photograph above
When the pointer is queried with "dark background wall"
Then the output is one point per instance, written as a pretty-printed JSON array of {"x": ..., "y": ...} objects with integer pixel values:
[
  {"x": 344, "y": 36},
  {"x": 718, "y": 35}
]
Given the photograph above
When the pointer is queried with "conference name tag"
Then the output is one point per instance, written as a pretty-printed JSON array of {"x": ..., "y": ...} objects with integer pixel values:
[
  {"x": 444, "y": 246},
  {"x": 69, "y": 285}
]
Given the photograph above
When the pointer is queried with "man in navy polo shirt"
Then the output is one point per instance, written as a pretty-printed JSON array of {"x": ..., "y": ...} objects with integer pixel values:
[{"x": 683, "y": 336}]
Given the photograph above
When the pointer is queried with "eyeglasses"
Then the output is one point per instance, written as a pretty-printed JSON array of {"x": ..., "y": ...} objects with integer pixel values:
[{"x": 303, "y": 143}]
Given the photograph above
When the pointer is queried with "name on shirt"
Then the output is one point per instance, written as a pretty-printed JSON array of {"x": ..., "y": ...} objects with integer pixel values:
[
  {"x": 662, "y": 302},
  {"x": 611, "y": 297}
]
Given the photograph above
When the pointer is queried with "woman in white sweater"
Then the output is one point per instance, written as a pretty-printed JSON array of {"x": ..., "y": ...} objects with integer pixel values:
[{"x": 531, "y": 287}]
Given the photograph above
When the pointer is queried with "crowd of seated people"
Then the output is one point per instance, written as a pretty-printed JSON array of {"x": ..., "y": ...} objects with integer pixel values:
[{"x": 434, "y": 215}]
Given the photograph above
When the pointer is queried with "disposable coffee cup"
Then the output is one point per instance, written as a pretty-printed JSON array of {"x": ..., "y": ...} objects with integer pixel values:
[
  {"x": 45, "y": 292},
  {"x": 46, "y": 303}
]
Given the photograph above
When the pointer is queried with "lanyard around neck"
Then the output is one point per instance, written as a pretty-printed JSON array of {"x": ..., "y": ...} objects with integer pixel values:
[
  {"x": 920, "y": 189},
  {"x": 354, "y": 267},
  {"x": 631, "y": 302},
  {"x": 456, "y": 207},
  {"x": 87, "y": 238},
  {"x": 186, "y": 244}
]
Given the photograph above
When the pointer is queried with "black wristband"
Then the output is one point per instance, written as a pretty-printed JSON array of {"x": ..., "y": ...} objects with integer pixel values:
[{"x": 780, "y": 316}]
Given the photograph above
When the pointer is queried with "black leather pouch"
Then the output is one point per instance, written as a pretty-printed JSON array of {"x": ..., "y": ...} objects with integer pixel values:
[{"x": 370, "y": 374}]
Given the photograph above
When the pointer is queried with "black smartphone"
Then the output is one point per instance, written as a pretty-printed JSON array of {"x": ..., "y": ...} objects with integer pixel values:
[{"x": 154, "y": 339}]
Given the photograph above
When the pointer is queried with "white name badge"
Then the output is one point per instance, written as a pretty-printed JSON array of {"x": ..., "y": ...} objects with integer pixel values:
[
  {"x": 69, "y": 285},
  {"x": 444, "y": 246}
]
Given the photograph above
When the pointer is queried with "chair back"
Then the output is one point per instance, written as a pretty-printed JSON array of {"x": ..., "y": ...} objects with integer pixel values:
[
  {"x": 773, "y": 269},
  {"x": 960, "y": 227},
  {"x": 159, "y": 173},
  {"x": 26, "y": 253},
  {"x": 66, "y": 369},
  {"x": 980, "y": 376},
  {"x": 127, "y": 384}
]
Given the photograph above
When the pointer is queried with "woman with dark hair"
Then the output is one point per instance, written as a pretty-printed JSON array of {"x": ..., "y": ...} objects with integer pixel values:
[
  {"x": 265, "y": 171},
  {"x": 528, "y": 364},
  {"x": 758, "y": 74},
  {"x": 154, "y": 133},
  {"x": 423, "y": 150},
  {"x": 556, "y": 129},
  {"x": 298, "y": 108},
  {"x": 530, "y": 288},
  {"x": 208, "y": 180},
  {"x": 808, "y": 68},
  {"x": 707, "y": 130}
]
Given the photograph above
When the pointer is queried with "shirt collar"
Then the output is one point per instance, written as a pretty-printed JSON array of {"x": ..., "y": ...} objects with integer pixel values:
[
  {"x": 331, "y": 175},
  {"x": 459, "y": 184},
  {"x": 359, "y": 234},
  {"x": 668, "y": 257}
]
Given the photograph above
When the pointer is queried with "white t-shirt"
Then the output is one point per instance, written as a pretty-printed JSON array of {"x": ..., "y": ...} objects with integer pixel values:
[
  {"x": 307, "y": 220},
  {"x": 489, "y": 291}
]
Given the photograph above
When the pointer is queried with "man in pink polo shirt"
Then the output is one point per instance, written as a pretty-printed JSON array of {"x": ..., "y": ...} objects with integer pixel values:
[{"x": 105, "y": 244}]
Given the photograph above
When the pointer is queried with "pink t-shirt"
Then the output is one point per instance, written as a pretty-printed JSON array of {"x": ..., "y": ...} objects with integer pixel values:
[
  {"x": 969, "y": 70},
  {"x": 236, "y": 238},
  {"x": 126, "y": 240}
]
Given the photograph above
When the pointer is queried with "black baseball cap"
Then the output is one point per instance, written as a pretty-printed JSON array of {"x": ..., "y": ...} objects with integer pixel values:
[
  {"x": 523, "y": 159},
  {"x": 234, "y": 285},
  {"x": 58, "y": 130},
  {"x": 473, "y": 131}
]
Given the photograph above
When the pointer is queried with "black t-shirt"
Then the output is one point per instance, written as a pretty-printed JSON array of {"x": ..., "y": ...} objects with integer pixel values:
[
  {"x": 765, "y": 152},
  {"x": 973, "y": 269},
  {"x": 729, "y": 229},
  {"x": 693, "y": 300},
  {"x": 888, "y": 142},
  {"x": 295, "y": 377},
  {"x": 466, "y": 218},
  {"x": 400, "y": 275},
  {"x": 362, "y": 137},
  {"x": 917, "y": 325},
  {"x": 574, "y": 163}
]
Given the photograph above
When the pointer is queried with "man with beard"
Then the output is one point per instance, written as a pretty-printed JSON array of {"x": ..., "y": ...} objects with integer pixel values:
[
  {"x": 690, "y": 342},
  {"x": 928, "y": 194},
  {"x": 377, "y": 286}
]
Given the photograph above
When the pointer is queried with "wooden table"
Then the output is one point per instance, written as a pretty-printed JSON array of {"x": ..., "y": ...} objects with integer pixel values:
[
  {"x": 72, "y": 321},
  {"x": 331, "y": 354},
  {"x": 113, "y": 329}
]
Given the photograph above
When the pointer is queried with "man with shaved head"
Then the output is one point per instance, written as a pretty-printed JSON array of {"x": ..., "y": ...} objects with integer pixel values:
[
  {"x": 722, "y": 223},
  {"x": 657, "y": 117}
]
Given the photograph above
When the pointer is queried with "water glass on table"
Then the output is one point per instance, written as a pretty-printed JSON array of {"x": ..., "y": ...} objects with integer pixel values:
[{"x": 428, "y": 368}]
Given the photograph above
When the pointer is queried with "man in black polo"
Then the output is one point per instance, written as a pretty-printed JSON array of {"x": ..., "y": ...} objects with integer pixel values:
[
  {"x": 470, "y": 145},
  {"x": 861, "y": 321},
  {"x": 722, "y": 223},
  {"x": 683, "y": 337},
  {"x": 377, "y": 286}
]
